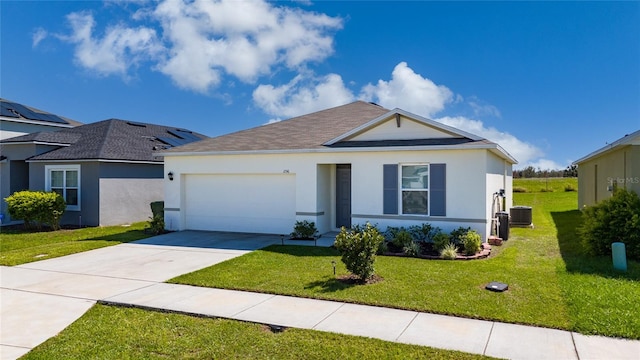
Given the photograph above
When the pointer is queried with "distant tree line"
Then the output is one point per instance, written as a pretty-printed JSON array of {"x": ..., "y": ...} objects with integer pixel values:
[{"x": 531, "y": 172}]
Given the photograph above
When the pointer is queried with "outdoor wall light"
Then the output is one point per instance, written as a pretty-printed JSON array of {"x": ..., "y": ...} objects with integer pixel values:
[{"x": 170, "y": 175}]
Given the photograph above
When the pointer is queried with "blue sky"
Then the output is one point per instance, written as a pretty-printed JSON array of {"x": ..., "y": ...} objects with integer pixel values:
[{"x": 549, "y": 81}]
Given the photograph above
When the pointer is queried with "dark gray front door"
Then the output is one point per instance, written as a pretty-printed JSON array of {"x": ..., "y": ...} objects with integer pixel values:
[{"x": 343, "y": 195}]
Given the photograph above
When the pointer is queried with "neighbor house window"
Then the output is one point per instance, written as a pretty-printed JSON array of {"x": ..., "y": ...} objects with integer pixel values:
[
  {"x": 65, "y": 180},
  {"x": 415, "y": 189}
]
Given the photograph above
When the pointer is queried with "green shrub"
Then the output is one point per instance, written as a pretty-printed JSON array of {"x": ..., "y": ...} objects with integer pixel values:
[
  {"x": 391, "y": 232},
  {"x": 424, "y": 232},
  {"x": 569, "y": 188},
  {"x": 157, "y": 208},
  {"x": 471, "y": 242},
  {"x": 412, "y": 249},
  {"x": 156, "y": 225},
  {"x": 456, "y": 235},
  {"x": 546, "y": 190},
  {"x": 449, "y": 252},
  {"x": 382, "y": 248},
  {"x": 616, "y": 219},
  {"x": 519, "y": 189},
  {"x": 304, "y": 230},
  {"x": 402, "y": 239},
  {"x": 36, "y": 208},
  {"x": 440, "y": 240},
  {"x": 358, "y": 250}
]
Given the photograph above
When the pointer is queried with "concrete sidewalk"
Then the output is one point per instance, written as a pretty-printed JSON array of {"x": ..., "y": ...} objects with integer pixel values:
[{"x": 133, "y": 274}]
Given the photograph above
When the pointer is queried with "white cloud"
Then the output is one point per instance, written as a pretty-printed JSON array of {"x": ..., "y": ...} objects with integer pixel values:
[
  {"x": 482, "y": 108},
  {"x": 545, "y": 164},
  {"x": 39, "y": 34},
  {"x": 119, "y": 49},
  {"x": 203, "y": 40},
  {"x": 524, "y": 152},
  {"x": 409, "y": 91},
  {"x": 302, "y": 95}
]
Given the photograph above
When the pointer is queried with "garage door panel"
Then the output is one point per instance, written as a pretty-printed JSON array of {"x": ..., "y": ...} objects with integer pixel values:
[{"x": 242, "y": 203}]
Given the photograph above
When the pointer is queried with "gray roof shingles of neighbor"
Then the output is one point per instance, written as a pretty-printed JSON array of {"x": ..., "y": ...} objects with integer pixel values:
[{"x": 111, "y": 139}]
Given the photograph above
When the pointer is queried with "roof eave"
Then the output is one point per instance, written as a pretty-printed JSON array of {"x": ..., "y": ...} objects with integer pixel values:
[
  {"x": 488, "y": 146},
  {"x": 624, "y": 141},
  {"x": 37, "y": 122}
]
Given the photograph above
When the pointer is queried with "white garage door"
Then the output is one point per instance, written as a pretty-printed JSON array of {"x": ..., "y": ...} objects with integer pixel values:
[{"x": 240, "y": 203}]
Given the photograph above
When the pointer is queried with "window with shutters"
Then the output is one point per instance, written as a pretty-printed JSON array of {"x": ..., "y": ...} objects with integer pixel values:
[{"x": 415, "y": 189}]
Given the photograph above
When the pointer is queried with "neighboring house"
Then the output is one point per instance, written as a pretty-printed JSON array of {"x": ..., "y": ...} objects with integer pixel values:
[
  {"x": 106, "y": 171},
  {"x": 337, "y": 167},
  {"x": 17, "y": 119},
  {"x": 614, "y": 165}
]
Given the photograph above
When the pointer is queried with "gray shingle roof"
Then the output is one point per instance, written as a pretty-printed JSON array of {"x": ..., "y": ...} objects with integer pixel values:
[
  {"x": 111, "y": 139},
  {"x": 302, "y": 132}
]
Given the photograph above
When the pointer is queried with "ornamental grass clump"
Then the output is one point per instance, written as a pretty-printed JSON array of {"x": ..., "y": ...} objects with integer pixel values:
[
  {"x": 358, "y": 249},
  {"x": 449, "y": 252}
]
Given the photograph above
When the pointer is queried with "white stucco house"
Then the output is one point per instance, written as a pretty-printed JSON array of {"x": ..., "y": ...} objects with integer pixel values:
[{"x": 346, "y": 165}]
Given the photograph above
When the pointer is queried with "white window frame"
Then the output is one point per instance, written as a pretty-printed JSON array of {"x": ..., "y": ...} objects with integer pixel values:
[
  {"x": 402, "y": 189},
  {"x": 49, "y": 168}
]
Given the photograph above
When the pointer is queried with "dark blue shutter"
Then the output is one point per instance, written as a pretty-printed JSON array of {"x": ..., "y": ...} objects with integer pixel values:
[
  {"x": 438, "y": 189},
  {"x": 390, "y": 189}
]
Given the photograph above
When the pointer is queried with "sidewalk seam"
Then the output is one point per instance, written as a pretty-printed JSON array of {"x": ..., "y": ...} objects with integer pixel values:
[
  {"x": 326, "y": 317},
  {"x": 406, "y": 327},
  {"x": 575, "y": 348},
  {"x": 233, "y": 316},
  {"x": 484, "y": 352}
]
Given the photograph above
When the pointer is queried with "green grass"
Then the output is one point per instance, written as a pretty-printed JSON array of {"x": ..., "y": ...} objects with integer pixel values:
[
  {"x": 19, "y": 246},
  {"x": 107, "y": 332},
  {"x": 552, "y": 283},
  {"x": 545, "y": 184}
]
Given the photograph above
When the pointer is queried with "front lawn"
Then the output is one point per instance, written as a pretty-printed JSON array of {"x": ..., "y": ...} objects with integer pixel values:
[
  {"x": 551, "y": 282},
  {"x": 107, "y": 332},
  {"x": 20, "y": 247}
]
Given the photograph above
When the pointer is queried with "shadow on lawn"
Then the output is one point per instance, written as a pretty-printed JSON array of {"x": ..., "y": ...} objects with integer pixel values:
[
  {"x": 574, "y": 255},
  {"x": 329, "y": 285},
  {"x": 126, "y": 236}
]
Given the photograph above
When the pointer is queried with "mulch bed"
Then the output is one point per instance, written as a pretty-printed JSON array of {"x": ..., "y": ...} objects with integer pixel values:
[{"x": 428, "y": 252}]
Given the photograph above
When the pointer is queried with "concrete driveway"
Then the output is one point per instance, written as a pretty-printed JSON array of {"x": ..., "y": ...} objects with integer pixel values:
[{"x": 40, "y": 299}]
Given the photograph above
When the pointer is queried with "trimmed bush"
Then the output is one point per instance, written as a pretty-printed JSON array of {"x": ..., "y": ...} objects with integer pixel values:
[
  {"x": 424, "y": 232},
  {"x": 358, "y": 250},
  {"x": 616, "y": 219},
  {"x": 569, "y": 188},
  {"x": 457, "y": 234},
  {"x": 304, "y": 230},
  {"x": 157, "y": 208},
  {"x": 36, "y": 208},
  {"x": 402, "y": 239},
  {"x": 440, "y": 240},
  {"x": 471, "y": 242},
  {"x": 519, "y": 189}
]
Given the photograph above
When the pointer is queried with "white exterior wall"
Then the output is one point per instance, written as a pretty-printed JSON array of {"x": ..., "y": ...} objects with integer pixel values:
[
  {"x": 499, "y": 176},
  {"x": 466, "y": 176}
]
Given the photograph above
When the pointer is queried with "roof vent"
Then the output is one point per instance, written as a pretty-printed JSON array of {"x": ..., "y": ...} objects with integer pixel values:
[{"x": 132, "y": 123}]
